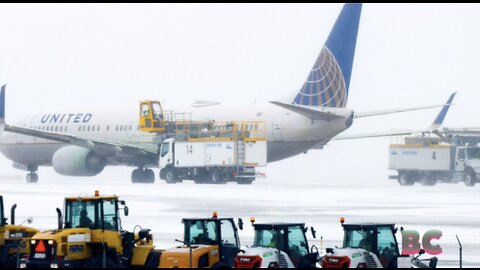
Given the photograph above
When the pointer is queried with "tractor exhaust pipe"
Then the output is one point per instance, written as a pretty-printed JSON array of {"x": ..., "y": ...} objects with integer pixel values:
[
  {"x": 59, "y": 216},
  {"x": 12, "y": 214}
]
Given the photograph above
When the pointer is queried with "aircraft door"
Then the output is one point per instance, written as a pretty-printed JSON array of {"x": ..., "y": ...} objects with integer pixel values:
[{"x": 277, "y": 127}]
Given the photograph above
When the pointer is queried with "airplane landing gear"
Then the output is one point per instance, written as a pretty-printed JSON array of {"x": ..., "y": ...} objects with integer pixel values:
[
  {"x": 141, "y": 175},
  {"x": 32, "y": 178}
]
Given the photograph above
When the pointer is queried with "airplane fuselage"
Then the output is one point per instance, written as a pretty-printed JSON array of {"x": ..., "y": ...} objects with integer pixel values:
[{"x": 288, "y": 133}]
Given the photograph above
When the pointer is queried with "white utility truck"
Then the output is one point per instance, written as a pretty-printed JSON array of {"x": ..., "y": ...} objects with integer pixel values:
[
  {"x": 429, "y": 160},
  {"x": 206, "y": 152}
]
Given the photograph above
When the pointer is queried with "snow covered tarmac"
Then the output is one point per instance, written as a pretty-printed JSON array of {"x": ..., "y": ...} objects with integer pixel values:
[{"x": 453, "y": 209}]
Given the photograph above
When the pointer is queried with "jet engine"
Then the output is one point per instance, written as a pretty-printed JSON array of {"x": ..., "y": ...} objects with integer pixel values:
[{"x": 77, "y": 161}]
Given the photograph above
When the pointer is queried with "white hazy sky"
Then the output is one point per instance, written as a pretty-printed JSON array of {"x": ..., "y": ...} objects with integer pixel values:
[{"x": 76, "y": 56}]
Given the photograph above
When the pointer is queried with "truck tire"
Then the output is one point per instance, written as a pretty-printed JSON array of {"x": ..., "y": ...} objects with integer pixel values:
[
  {"x": 170, "y": 176},
  {"x": 405, "y": 179},
  {"x": 216, "y": 177},
  {"x": 469, "y": 178},
  {"x": 245, "y": 181}
]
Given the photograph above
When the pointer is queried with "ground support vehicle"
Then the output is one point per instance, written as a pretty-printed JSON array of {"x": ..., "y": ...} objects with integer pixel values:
[
  {"x": 279, "y": 245},
  {"x": 91, "y": 237},
  {"x": 371, "y": 246}
]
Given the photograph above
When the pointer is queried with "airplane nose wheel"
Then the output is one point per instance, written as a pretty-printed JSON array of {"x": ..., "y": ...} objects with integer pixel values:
[{"x": 32, "y": 177}]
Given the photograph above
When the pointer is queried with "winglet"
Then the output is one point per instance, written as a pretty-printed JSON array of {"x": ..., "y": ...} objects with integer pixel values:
[
  {"x": 2, "y": 104},
  {"x": 441, "y": 116}
]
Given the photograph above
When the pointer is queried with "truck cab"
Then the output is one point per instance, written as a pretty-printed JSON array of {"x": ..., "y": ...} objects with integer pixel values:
[
  {"x": 278, "y": 245},
  {"x": 207, "y": 242},
  {"x": 468, "y": 162}
]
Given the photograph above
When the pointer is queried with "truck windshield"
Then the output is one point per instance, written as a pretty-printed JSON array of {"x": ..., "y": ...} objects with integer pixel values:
[
  {"x": 203, "y": 232},
  {"x": 473, "y": 153},
  {"x": 165, "y": 149}
]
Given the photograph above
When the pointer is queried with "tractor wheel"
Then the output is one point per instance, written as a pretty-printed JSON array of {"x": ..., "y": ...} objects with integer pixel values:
[{"x": 153, "y": 260}]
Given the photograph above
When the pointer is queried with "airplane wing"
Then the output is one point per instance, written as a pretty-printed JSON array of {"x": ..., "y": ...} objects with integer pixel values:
[
  {"x": 123, "y": 152},
  {"x": 100, "y": 147},
  {"x": 437, "y": 123}
]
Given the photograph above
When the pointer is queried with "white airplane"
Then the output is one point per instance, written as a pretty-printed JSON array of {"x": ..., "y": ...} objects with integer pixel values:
[{"x": 84, "y": 142}]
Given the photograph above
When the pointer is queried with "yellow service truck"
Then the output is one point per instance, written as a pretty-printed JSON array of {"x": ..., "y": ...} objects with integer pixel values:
[
  {"x": 14, "y": 239},
  {"x": 91, "y": 236}
]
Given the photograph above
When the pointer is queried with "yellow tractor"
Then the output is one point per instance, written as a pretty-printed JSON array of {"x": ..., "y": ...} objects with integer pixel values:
[
  {"x": 208, "y": 242},
  {"x": 14, "y": 239},
  {"x": 91, "y": 236}
]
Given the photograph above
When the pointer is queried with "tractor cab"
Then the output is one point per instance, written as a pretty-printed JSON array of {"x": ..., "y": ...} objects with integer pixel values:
[
  {"x": 95, "y": 213},
  {"x": 376, "y": 238},
  {"x": 287, "y": 237},
  {"x": 208, "y": 242},
  {"x": 152, "y": 118},
  {"x": 221, "y": 232},
  {"x": 287, "y": 240}
]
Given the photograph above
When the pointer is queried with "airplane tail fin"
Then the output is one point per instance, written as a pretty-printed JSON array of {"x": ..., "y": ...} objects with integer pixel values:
[
  {"x": 329, "y": 80},
  {"x": 437, "y": 123}
]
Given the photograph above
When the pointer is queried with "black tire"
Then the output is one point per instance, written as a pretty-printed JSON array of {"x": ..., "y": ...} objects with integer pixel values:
[
  {"x": 170, "y": 176},
  {"x": 149, "y": 176},
  {"x": 469, "y": 178},
  {"x": 405, "y": 179},
  {"x": 220, "y": 265},
  {"x": 245, "y": 181},
  {"x": 153, "y": 260},
  {"x": 216, "y": 177},
  {"x": 136, "y": 176},
  {"x": 32, "y": 178}
]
